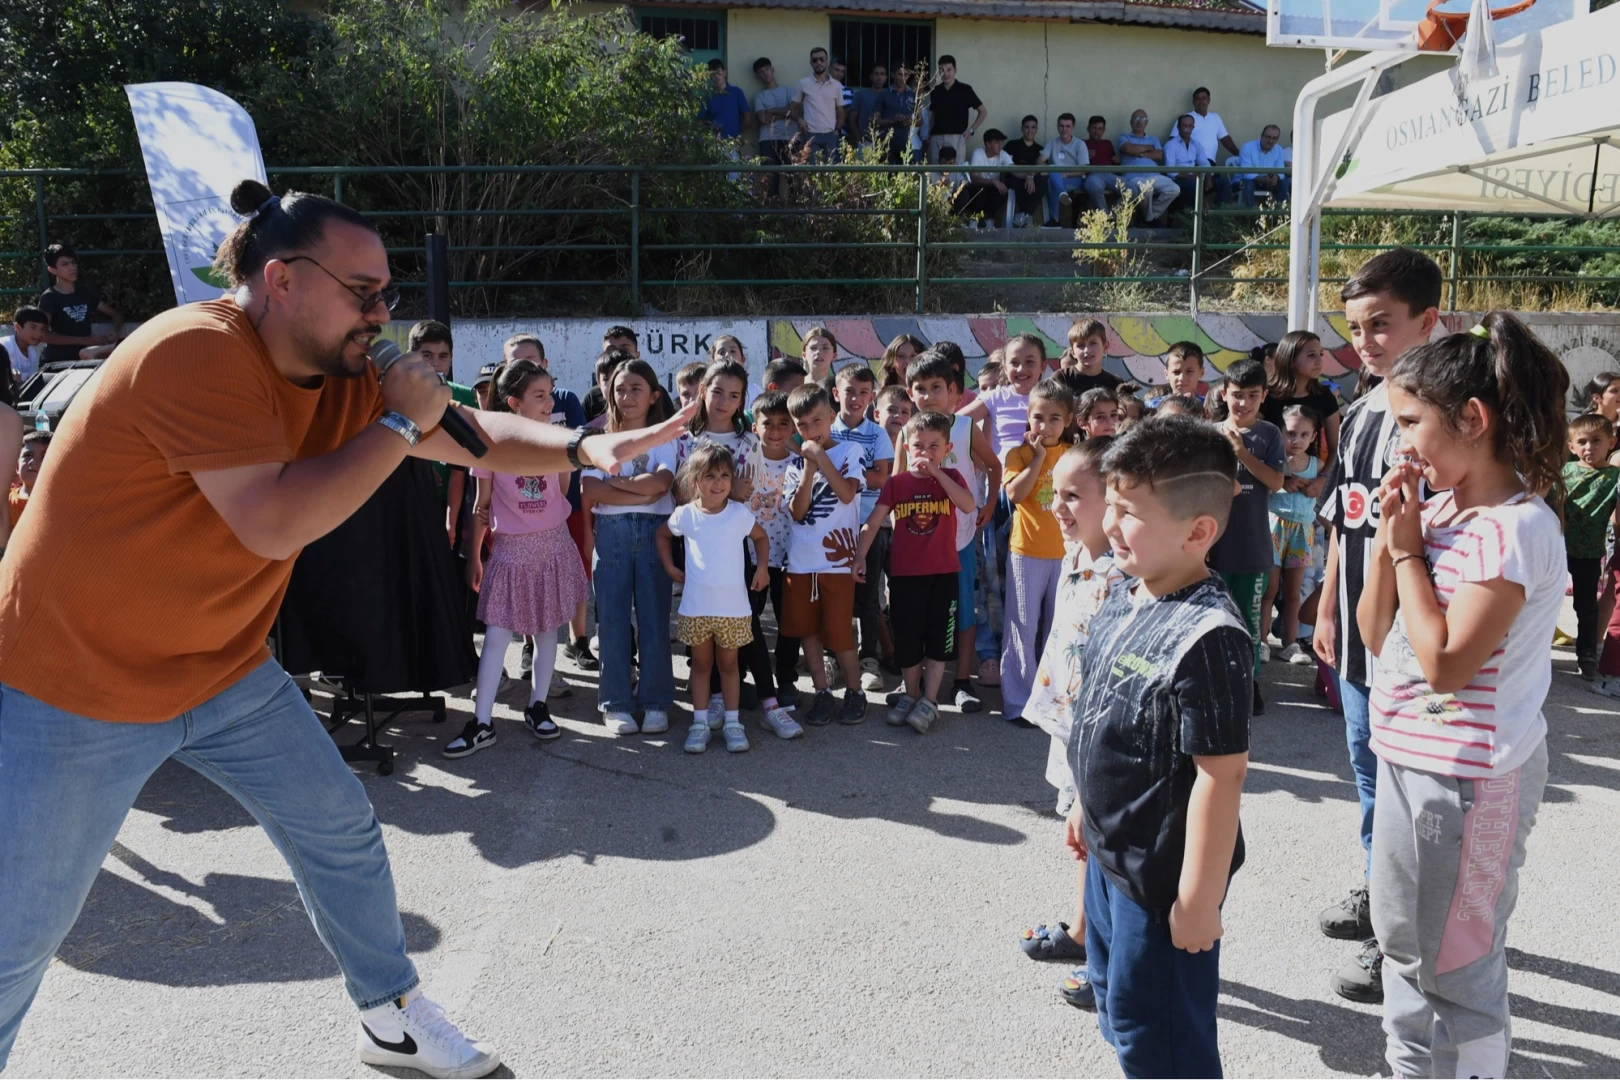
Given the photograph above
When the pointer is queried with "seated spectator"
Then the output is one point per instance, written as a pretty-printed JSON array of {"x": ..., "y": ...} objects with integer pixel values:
[
  {"x": 948, "y": 104},
  {"x": 35, "y": 444},
  {"x": 899, "y": 106},
  {"x": 72, "y": 309},
  {"x": 1140, "y": 150},
  {"x": 727, "y": 108},
  {"x": 868, "y": 107},
  {"x": 28, "y": 328},
  {"x": 953, "y": 181},
  {"x": 1183, "y": 153},
  {"x": 1209, "y": 130},
  {"x": 1026, "y": 187},
  {"x": 1099, "y": 185},
  {"x": 773, "y": 110},
  {"x": 818, "y": 106},
  {"x": 1064, "y": 150},
  {"x": 984, "y": 197},
  {"x": 1263, "y": 153}
]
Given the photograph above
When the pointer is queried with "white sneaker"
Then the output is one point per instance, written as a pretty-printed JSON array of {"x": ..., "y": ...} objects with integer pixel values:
[
  {"x": 871, "y": 674},
  {"x": 736, "y": 738},
  {"x": 620, "y": 723},
  {"x": 416, "y": 1035},
  {"x": 1297, "y": 656},
  {"x": 654, "y": 722},
  {"x": 781, "y": 724},
  {"x": 559, "y": 687},
  {"x": 1265, "y": 653},
  {"x": 717, "y": 712},
  {"x": 1606, "y": 686}
]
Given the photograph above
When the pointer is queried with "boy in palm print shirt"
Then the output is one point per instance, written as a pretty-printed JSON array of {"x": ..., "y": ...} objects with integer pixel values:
[{"x": 821, "y": 487}]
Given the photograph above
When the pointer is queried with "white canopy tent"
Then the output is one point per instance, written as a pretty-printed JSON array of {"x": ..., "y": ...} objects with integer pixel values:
[{"x": 1540, "y": 136}]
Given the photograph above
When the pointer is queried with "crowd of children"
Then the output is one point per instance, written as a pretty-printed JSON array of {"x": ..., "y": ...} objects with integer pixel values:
[{"x": 1114, "y": 558}]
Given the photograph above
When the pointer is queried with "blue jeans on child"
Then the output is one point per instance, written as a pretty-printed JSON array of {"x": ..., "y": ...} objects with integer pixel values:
[
  {"x": 1363, "y": 762},
  {"x": 626, "y": 568},
  {"x": 992, "y": 588},
  {"x": 67, "y": 782},
  {"x": 1155, "y": 1002}
]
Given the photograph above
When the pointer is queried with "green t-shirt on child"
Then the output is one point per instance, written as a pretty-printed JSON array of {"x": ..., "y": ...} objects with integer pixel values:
[{"x": 1589, "y": 496}]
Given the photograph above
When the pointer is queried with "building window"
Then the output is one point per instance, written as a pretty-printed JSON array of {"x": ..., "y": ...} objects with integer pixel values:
[
  {"x": 703, "y": 33},
  {"x": 862, "y": 43}
]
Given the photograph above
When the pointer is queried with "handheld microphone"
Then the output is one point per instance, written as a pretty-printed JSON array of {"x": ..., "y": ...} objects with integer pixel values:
[{"x": 385, "y": 354}]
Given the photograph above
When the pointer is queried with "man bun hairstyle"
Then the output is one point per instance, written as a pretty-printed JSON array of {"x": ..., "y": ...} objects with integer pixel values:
[
  {"x": 1516, "y": 377},
  {"x": 1188, "y": 465},
  {"x": 274, "y": 226}
]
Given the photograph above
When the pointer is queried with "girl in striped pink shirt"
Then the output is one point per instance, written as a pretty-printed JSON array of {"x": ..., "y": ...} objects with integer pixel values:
[{"x": 1462, "y": 596}]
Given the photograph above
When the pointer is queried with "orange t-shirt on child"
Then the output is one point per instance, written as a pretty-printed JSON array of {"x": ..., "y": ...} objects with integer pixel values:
[
  {"x": 1035, "y": 530},
  {"x": 16, "y": 503},
  {"x": 124, "y": 596}
]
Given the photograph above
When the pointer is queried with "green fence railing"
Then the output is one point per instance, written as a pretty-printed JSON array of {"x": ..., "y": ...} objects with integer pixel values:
[{"x": 640, "y": 260}]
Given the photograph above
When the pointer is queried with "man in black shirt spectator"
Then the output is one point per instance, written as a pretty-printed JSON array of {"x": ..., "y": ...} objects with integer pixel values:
[
  {"x": 1026, "y": 187},
  {"x": 949, "y": 102},
  {"x": 72, "y": 309}
]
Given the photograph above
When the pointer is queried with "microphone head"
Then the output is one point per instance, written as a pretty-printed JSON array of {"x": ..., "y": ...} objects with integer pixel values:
[{"x": 383, "y": 353}]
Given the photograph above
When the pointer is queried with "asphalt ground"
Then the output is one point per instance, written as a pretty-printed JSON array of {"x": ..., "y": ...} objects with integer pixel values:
[{"x": 844, "y": 904}]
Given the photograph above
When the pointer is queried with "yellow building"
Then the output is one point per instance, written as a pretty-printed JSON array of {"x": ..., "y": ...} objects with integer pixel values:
[{"x": 1044, "y": 57}]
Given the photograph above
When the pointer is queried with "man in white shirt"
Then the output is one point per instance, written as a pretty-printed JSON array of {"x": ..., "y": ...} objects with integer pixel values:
[
  {"x": 1138, "y": 148},
  {"x": 1209, "y": 130},
  {"x": 1263, "y": 153},
  {"x": 1183, "y": 152},
  {"x": 818, "y": 106},
  {"x": 985, "y": 193},
  {"x": 1064, "y": 150}
]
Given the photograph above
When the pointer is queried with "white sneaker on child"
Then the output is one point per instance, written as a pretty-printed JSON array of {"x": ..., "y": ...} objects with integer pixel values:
[
  {"x": 717, "y": 712},
  {"x": 654, "y": 722},
  {"x": 1265, "y": 653},
  {"x": 620, "y": 723},
  {"x": 782, "y": 725},
  {"x": 871, "y": 674},
  {"x": 413, "y": 1033},
  {"x": 1297, "y": 656}
]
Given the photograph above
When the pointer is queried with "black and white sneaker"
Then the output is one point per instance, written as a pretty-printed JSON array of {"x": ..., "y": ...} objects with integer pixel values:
[
  {"x": 578, "y": 653},
  {"x": 964, "y": 698},
  {"x": 473, "y": 738},
  {"x": 538, "y": 718},
  {"x": 413, "y": 1033},
  {"x": 1351, "y": 918}
]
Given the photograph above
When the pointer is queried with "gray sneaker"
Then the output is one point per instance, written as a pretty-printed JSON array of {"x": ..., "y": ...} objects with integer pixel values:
[
  {"x": 898, "y": 708},
  {"x": 821, "y": 709},
  {"x": 697, "y": 737},
  {"x": 922, "y": 716},
  {"x": 1362, "y": 979},
  {"x": 736, "y": 738},
  {"x": 854, "y": 707}
]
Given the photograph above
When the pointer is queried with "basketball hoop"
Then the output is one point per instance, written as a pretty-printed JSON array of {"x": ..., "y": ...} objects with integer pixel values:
[{"x": 1441, "y": 30}]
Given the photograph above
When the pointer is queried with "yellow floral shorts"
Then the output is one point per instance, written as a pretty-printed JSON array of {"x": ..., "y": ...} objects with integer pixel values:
[{"x": 728, "y": 632}]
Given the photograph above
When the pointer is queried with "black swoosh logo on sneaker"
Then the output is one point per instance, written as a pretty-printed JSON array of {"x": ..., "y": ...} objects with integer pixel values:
[{"x": 406, "y": 1045}]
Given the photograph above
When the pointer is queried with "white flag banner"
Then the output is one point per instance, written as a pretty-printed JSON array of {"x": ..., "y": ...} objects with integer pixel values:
[{"x": 198, "y": 144}]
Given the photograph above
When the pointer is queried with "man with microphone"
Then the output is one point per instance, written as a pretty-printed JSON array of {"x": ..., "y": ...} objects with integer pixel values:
[{"x": 135, "y": 598}]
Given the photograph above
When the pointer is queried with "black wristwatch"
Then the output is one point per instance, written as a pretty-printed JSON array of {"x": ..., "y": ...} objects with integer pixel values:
[{"x": 579, "y": 436}]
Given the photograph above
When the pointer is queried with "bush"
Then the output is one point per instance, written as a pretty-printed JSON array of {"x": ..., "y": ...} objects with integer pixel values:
[{"x": 378, "y": 83}]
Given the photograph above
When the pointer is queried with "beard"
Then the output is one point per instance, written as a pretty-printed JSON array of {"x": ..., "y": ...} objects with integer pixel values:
[{"x": 327, "y": 356}]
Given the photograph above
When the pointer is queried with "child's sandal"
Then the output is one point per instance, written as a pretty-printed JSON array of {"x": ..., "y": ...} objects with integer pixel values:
[
  {"x": 1076, "y": 989},
  {"x": 1052, "y": 943}
]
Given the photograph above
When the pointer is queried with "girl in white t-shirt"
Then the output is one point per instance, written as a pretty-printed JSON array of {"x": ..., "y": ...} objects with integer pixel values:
[
  {"x": 1462, "y": 596},
  {"x": 534, "y": 579},
  {"x": 715, "y": 617}
]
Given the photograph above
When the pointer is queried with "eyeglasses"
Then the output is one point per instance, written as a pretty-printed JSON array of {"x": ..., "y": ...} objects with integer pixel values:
[{"x": 386, "y": 297}]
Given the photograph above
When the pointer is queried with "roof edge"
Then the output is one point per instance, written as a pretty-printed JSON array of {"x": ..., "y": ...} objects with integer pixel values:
[{"x": 1135, "y": 12}]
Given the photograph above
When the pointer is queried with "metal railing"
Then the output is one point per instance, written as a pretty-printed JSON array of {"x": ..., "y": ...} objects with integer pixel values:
[{"x": 632, "y": 253}]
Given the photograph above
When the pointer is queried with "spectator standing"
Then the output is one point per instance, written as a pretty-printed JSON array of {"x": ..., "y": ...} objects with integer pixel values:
[
  {"x": 899, "y": 106},
  {"x": 72, "y": 308},
  {"x": 1209, "y": 130},
  {"x": 431, "y": 340},
  {"x": 818, "y": 106},
  {"x": 1101, "y": 151},
  {"x": 767, "y": 501},
  {"x": 983, "y": 201},
  {"x": 1064, "y": 150},
  {"x": 28, "y": 327},
  {"x": 1589, "y": 507},
  {"x": 949, "y": 102},
  {"x": 856, "y": 388},
  {"x": 1026, "y": 187},
  {"x": 1296, "y": 379},
  {"x": 1141, "y": 150},
  {"x": 1263, "y": 153},
  {"x": 727, "y": 109},
  {"x": 840, "y": 73},
  {"x": 1181, "y": 152},
  {"x": 868, "y": 106},
  {"x": 773, "y": 109}
]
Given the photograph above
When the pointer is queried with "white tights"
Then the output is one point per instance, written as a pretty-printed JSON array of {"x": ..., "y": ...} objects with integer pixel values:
[{"x": 492, "y": 664}]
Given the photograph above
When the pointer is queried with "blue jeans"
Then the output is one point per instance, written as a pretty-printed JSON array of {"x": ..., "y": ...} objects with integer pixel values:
[
  {"x": 1155, "y": 1002},
  {"x": 1363, "y": 762},
  {"x": 626, "y": 570},
  {"x": 1056, "y": 185},
  {"x": 1279, "y": 194},
  {"x": 823, "y": 147},
  {"x": 67, "y": 782},
  {"x": 991, "y": 594}
]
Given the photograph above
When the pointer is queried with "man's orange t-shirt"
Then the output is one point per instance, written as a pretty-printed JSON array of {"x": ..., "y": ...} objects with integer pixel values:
[{"x": 124, "y": 596}]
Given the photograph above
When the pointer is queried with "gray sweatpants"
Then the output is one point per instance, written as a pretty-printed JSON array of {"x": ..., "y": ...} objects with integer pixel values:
[
  {"x": 1445, "y": 876},
  {"x": 1031, "y": 602}
]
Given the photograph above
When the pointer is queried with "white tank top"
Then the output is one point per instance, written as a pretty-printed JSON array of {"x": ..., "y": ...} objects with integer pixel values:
[{"x": 960, "y": 458}]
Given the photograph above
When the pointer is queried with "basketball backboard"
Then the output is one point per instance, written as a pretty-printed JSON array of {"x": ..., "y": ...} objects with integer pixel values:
[{"x": 1389, "y": 25}]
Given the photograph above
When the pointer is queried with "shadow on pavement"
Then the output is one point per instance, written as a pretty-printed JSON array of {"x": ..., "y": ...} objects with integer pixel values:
[
  {"x": 237, "y": 930},
  {"x": 1349, "y": 1040},
  {"x": 1568, "y": 971}
]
